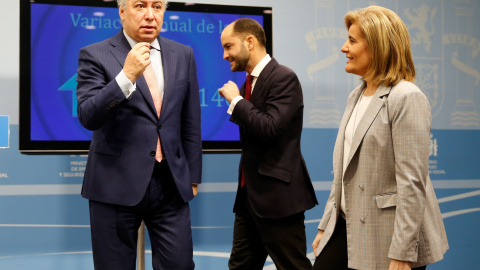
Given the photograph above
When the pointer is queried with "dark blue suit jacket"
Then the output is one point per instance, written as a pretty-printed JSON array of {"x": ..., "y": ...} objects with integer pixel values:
[
  {"x": 121, "y": 157},
  {"x": 276, "y": 177}
]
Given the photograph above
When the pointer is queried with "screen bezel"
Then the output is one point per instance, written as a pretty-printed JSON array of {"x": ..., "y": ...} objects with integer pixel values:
[{"x": 28, "y": 146}]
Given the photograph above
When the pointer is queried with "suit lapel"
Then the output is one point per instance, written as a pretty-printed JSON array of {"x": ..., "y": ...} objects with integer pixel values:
[
  {"x": 256, "y": 92},
  {"x": 169, "y": 67},
  {"x": 243, "y": 138},
  {"x": 120, "y": 47},
  {"x": 338, "y": 152},
  {"x": 267, "y": 70},
  {"x": 369, "y": 116},
  {"x": 120, "y": 50}
]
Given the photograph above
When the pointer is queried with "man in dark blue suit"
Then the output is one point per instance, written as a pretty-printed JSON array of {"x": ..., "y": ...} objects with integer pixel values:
[
  {"x": 274, "y": 188},
  {"x": 139, "y": 94}
]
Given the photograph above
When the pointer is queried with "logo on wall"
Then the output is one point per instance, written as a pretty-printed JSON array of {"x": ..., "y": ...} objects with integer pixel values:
[
  {"x": 75, "y": 168},
  {"x": 465, "y": 51},
  {"x": 433, "y": 150},
  {"x": 433, "y": 153},
  {"x": 423, "y": 15},
  {"x": 420, "y": 22},
  {"x": 322, "y": 42},
  {"x": 427, "y": 80}
]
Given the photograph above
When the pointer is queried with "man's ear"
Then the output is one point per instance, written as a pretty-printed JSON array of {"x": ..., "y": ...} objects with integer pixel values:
[
  {"x": 250, "y": 39},
  {"x": 121, "y": 12}
]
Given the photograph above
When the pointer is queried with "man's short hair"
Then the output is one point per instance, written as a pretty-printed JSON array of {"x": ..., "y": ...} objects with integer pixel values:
[{"x": 245, "y": 26}]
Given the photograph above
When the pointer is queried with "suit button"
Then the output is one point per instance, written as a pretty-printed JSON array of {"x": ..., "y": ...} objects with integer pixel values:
[
  {"x": 361, "y": 187},
  {"x": 152, "y": 153},
  {"x": 362, "y": 220},
  {"x": 159, "y": 126}
]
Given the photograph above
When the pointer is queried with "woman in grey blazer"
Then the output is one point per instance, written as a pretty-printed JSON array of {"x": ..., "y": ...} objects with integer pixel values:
[{"x": 382, "y": 212}]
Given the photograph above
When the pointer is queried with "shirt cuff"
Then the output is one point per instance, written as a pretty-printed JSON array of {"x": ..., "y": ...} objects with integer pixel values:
[
  {"x": 125, "y": 84},
  {"x": 232, "y": 105}
]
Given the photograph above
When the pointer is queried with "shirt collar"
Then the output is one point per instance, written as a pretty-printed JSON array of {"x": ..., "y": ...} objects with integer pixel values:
[
  {"x": 132, "y": 42},
  {"x": 260, "y": 66}
]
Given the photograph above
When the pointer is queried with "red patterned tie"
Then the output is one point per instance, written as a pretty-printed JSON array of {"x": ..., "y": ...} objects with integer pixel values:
[
  {"x": 248, "y": 93},
  {"x": 152, "y": 82},
  {"x": 248, "y": 87}
]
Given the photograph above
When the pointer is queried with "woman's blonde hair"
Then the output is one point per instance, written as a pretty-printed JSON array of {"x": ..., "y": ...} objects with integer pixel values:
[{"x": 388, "y": 40}]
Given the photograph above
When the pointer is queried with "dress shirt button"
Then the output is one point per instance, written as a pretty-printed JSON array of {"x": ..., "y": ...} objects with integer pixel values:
[
  {"x": 361, "y": 187},
  {"x": 152, "y": 153},
  {"x": 362, "y": 220}
]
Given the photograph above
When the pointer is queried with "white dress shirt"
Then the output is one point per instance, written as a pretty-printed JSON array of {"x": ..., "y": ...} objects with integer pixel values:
[
  {"x": 129, "y": 87},
  {"x": 255, "y": 73}
]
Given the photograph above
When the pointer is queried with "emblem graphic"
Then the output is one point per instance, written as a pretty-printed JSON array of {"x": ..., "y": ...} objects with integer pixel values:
[
  {"x": 427, "y": 79},
  {"x": 465, "y": 51},
  {"x": 423, "y": 15},
  {"x": 321, "y": 40},
  {"x": 433, "y": 149}
]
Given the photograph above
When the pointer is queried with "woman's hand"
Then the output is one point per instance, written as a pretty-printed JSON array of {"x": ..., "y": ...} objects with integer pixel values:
[
  {"x": 399, "y": 265},
  {"x": 195, "y": 189},
  {"x": 316, "y": 241}
]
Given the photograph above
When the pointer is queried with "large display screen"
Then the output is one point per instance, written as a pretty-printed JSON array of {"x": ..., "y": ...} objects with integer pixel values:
[{"x": 52, "y": 32}]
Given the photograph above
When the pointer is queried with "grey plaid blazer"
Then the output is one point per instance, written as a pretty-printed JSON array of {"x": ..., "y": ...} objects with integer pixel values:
[{"x": 391, "y": 207}]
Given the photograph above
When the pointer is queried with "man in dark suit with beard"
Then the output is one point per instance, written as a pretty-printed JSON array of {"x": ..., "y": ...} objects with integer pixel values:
[{"x": 274, "y": 188}]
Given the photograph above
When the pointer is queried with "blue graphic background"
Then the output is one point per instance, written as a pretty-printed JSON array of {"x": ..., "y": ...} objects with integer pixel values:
[{"x": 54, "y": 61}]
